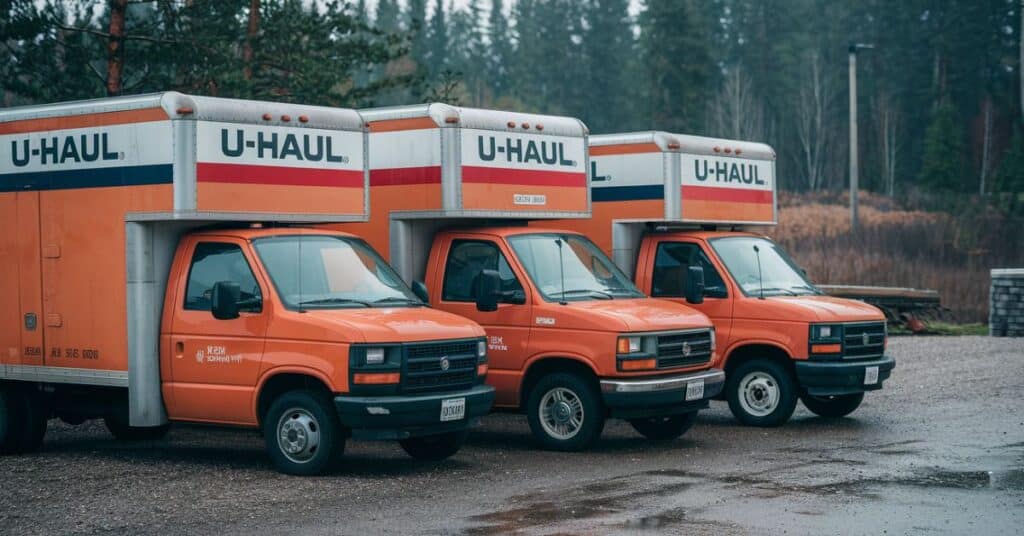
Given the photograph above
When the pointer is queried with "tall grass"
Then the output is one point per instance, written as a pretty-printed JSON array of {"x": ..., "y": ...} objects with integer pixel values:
[{"x": 951, "y": 252}]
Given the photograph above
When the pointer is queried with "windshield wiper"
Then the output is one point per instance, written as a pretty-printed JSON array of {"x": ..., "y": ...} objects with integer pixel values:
[
  {"x": 603, "y": 295},
  {"x": 786, "y": 290},
  {"x": 396, "y": 299},
  {"x": 810, "y": 288},
  {"x": 334, "y": 301}
]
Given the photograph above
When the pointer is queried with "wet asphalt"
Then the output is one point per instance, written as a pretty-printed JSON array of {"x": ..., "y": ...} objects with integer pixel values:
[{"x": 939, "y": 451}]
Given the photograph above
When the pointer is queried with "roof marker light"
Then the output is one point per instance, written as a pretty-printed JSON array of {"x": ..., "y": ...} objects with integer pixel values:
[
  {"x": 451, "y": 119},
  {"x": 303, "y": 118},
  {"x": 286, "y": 118},
  {"x": 526, "y": 125},
  {"x": 674, "y": 145},
  {"x": 266, "y": 117},
  {"x": 184, "y": 110},
  {"x": 539, "y": 126},
  {"x": 718, "y": 149},
  {"x": 728, "y": 150},
  {"x": 511, "y": 124},
  {"x": 738, "y": 151}
]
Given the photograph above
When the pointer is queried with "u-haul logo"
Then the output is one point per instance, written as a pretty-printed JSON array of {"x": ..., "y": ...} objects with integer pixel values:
[
  {"x": 725, "y": 171},
  {"x": 523, "y": 151},
  {"x": 68, "y": 149},
  {"x": 232, "y": 143}
]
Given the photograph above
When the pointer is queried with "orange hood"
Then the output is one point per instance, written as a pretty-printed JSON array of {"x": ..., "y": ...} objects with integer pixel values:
[
  {"x": 815, "y": 309},
  {"x": 625, "y": 315},
  {"x": 397, "y": 324}
]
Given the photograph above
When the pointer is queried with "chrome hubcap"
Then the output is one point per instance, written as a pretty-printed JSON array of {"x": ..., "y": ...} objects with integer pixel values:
[
  {"x": 759, "y": 393},
  {"x": 298, "y": 435},
  {"x": 561, "y": 413}
]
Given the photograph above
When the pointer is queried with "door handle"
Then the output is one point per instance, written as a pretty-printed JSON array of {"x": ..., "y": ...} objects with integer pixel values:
[{"x": 179, "y": 349}]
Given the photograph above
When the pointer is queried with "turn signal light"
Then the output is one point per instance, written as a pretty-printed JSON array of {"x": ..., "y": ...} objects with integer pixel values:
[
  {"x": 377, "y": 378},
  {"x": 638, "y": 364},
  {"x": 481, "y": 369},
  {"x": 826, "y": 348}
]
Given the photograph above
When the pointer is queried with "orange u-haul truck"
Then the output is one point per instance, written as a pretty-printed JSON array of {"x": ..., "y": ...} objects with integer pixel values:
[
  {"x": 571, "y": 340},
  {"x": 139, "y": 288},
  {"x": 675, "y": 212}
]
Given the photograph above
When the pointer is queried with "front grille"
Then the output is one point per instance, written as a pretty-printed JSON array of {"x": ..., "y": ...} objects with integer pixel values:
[
  {"x": 684, "y": 349},
  {"x": 856, "y": 346},
  {"x": 422, "y": 366}
]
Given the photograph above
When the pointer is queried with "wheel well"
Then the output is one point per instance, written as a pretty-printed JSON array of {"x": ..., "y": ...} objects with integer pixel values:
[
  {"x": 282, "y": 383},
  {"x": 549, "y": 365},
  {"x": 750, "y": 352}
]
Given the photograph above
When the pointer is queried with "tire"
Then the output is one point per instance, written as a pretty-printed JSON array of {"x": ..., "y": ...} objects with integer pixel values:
[
  {"x": 832, "y": 407},
  {"x": 664, "y": 428},
  {"x": 119, "y": 428},
  {"x": 8, "y": 426},
  {"x": 303, "y": 434},
  {"x": 761, "y": 393},
  {"x": 581, "y": 413},
  {"x": 434, "y": 448}
]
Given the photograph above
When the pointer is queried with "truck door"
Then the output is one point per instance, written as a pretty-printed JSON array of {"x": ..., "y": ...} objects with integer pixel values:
[
  {"x": 672, "y": 260},
  {"x": 20, "y": 280},
  {"x": 215, "y": 363},
  {"x": 508, "y": 328}
]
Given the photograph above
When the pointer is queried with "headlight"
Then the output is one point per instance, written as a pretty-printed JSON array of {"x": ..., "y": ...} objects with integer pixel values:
[
  {"x": 826, "y": 332},
  {"x": 374, "y": 356},
  {"x": 629, "y": 345},
  {"x": 481, "y": 349}
]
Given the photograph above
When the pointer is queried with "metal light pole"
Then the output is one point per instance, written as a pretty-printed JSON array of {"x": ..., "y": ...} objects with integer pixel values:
[{"x": 854, "y": 172}]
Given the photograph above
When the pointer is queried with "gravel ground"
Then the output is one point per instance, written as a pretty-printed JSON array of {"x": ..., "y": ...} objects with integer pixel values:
[{"x": 939, "y": 450}]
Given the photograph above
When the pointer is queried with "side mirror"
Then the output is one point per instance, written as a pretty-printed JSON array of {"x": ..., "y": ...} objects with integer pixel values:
[
  {"x": 225, "y": 300},
  {"x": 488, "y": 284},
  {"x": 420, "y": 290},
  {"x": 693, "y": 288}
]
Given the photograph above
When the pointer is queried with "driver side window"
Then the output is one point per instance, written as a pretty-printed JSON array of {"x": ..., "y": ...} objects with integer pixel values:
[
  {"x": 466, "y": 260},
  {"x": 213, "y": 262},
  {"x": 671, "y": 267}
]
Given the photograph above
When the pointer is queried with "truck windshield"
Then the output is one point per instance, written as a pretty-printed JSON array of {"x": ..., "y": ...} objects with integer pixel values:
[
  {"x": 778, "y": 274},
  {"x": 331, "y": 272},
  {"x": 566, "y": 267}
]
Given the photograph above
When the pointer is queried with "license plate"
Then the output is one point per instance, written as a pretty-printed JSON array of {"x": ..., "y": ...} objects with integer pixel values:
[
  {"x": 453, "y": 409},
  {"x": 870, "y": 375},
  {"x": 695, "y": 390}
]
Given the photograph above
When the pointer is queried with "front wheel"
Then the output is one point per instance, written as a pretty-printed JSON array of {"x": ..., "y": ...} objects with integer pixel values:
[
  {"x": 434, "y": 448},
  {"x": 565, "y": 412},
  {"x": 833, "y": 407},
  {"x": 302, "y": 433},
  {"x": 664, "y": 428},
  {"x": 761, "y": 393}
]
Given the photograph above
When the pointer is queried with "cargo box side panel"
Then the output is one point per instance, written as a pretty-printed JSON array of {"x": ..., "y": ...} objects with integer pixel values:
[
  {"x": 257, "y": 169},
  {"x": 84, "y": 281},
  {"x": 405, "y": 175},
  {"x": 21, "y": 335},
  {"x": 517, "y": 172},
  {"x": 727, "y": 189}
]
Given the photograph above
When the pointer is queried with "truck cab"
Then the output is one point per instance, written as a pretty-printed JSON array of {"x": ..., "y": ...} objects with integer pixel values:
[
  {"x": 571, "y": 340},
  {"x": 674, "y": 208},
  {"x": 163, "y": 264}
]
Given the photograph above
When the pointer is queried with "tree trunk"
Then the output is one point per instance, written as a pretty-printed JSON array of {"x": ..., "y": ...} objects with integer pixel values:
[
  {"x": 250, "y": 37},
  {"x": 986, "y": 144},
  {"x": 115, "y": 47}
]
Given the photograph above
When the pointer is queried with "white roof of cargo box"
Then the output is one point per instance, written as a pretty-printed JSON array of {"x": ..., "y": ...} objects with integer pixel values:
[
  {"x": 212, "y": 158},
  {"x": 664, "y": 177},
  {"x": 468, "y": 162}
]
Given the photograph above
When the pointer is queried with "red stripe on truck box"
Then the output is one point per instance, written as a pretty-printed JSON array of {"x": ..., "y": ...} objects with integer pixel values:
[
  {"x": 711, "y": 193},
  {"x": 251, "y": 174},
  {"x": 402, "y": 176},
  {"x": 478, "y": 174}
]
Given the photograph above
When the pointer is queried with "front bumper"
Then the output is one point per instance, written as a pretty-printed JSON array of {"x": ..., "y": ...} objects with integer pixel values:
[
  {"x": 401, "y": 417},
  {"x": 660, "y": 396},
  {"x": 825, "y": 378}
]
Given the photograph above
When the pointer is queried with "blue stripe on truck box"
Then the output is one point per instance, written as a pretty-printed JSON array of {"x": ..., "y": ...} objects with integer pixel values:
[
  {"x": 627, "y": 193},
  {"x": 87, "y": 178}
]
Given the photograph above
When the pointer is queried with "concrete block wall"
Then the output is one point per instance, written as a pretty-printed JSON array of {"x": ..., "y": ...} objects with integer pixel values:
[{"x": 1006, "y": 303}]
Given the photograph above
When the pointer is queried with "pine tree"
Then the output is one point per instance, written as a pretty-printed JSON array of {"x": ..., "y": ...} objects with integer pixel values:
[
  {"x": 1009, "y": 177},
  {"x": 501, "y": 48},
  {"x": 416, "y": 22},
  {"x": 943, "y": 165},
  {"x": 676, "y": 62},
  {"x": 437, "y": 40},
  {"x": 608, "y": 52},
  {"x": 388, "y": 16}
]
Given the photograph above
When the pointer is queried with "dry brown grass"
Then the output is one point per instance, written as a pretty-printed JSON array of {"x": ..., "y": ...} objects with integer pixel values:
[{"x": 951, "y": 253}]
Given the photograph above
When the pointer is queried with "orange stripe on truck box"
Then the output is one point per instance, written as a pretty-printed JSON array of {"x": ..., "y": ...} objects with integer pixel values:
[
  {"x": 737, "y": 195},
  {"x": 279, "y": 198},
  {"x": 624, "y": 148},
  {"x": 694, "y": 210},
  {"x": 394, "y": 125},
  {"x": 83, "y": 121},
  {"x": 491, "y": 196}
]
